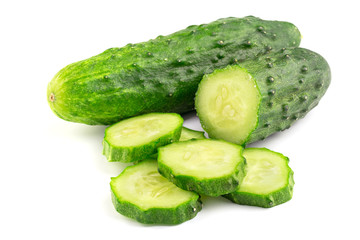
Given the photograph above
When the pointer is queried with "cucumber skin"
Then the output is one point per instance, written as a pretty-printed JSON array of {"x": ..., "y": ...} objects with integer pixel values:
[
  {"x": 267, "y": 200},
  {"x": 300, "y": 79},
  {"x": 182, "y": 213},
  {"x": 210, "y": 187},
  {"x": 160, "y": 75},
  {"x": 138, "y": 153}
]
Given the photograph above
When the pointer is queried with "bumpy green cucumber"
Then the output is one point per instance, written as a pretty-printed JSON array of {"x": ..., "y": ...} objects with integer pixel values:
[
  {"x": 268, "y": 182},
  {"x": 141, "y": 193},
  {"x": 188, "y": 134},
  {"x": 139, "y": 137},
  {"x": 248, "y": 102},
  {"x": 161, "y": 75},
  {"x": 209, "y": 167}
]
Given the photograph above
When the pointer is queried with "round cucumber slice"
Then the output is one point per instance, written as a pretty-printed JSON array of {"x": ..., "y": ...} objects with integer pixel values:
[
  {"x": 209, "y": 167},
  {"x": 141, "y": 193},
  {"x": 268, "y": 181},
  {"x": 227, "y": 103},
  {"x": 139, "y": 137},
  {"x": 187, "y": 134}
]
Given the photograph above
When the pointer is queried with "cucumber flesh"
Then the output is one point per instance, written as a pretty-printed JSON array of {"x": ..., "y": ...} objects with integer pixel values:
[
  {"x": 139, "y": 137},
  {"x": 141, "y": 193},
  {"x": 227, "y": 102},
  {"x": 188, "y": 134},
  {"x": 209, "y": 167},
  {"x": 268, "y": 181}
]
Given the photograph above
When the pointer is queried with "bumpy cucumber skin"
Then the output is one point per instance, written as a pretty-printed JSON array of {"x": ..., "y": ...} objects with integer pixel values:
[
  {"x": 291, "y": 83},
  {"x": 210, "y": 187},
  {"x": 167, "y": 216},
  {"x": 137, "y": 153},
  {"x": 160, "y": 75},
  {"x": 180, "y": 214},
  {"x": 193, "y": 134},
  {"x": 267, "y": 200}
]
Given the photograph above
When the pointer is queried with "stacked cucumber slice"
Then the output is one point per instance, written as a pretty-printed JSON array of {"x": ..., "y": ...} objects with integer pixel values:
[
  {"x": 139, "y": 137},
  {"x": 166, "y": 190},
  {"x": 269, "y": 180},
  {"x": 209, "y": 167},
  {"x": 140, "y": 192}
]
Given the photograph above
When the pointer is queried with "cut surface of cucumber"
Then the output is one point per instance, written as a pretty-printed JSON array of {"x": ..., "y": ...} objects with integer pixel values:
[
  {"x": 227, "y": 102},
  {"x": 187, "y": 134},
  {"x": 268, "y": 181},
  {"x": 139, "y": 137},
  {"x": 141, "y": 193},
  {"x": 209, "y": 167}
]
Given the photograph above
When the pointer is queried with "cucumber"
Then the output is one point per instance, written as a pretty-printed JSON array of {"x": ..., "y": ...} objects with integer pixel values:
[
  {"x": 268, "y": 182},
  {"x": 139, "y": 137},
  {"x": 161, "y": 75},
  {"x": 188, "y": 134},
  {"x": 248, "y": 102},
  {"x": 141, "y": 193},
  {"x": 209, "y": 167}
]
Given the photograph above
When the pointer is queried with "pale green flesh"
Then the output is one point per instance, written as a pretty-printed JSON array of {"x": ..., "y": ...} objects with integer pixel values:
[
  {"x": 203, "y": 159},
  {"x": 143, "y": 186},
  {"x": 267, "y": 171},
  {"x": 187, "y": 134},
  {"x": 142, "y": 129},
  {"x": 227, "y": 103}
]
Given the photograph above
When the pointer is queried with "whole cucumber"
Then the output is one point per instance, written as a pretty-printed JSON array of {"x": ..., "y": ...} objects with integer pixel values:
[{"x": 162, "y": 74}]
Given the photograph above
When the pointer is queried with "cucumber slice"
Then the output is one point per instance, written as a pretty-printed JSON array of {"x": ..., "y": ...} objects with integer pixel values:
[
  {"x": 268, "y": 182},
  {"x": 227, "y": 103},
  {"x": 187, "y": 134},
  {"x": 141, "y": 193},
  {"x": 209, "y": 167},
  {"x": 139, "y": 137}
]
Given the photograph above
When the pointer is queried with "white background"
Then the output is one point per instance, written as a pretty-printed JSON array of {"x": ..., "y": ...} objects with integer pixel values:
[{"x": 54, "y": 179}]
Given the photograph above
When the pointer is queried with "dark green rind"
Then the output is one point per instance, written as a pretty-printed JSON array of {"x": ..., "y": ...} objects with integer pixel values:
[
  {"x": 180, "y": 214},
  {"x": 160, "y": 75},
  {"x": 176, "y": 215},
  {"x": 210, "y": 187},
  {"x": 137, "y": 153},
  {"x": 275, "y": 198},
  {"x": 291, "y": 83},
  {"x": 194, "y": 134}
]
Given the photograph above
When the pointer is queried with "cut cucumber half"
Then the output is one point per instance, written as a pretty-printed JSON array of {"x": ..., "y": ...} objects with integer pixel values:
[
  {"x": 187, "y": 134},
  {"x": 253, "y": 99},
  {"x": 139, "y": 137},
  {"x": 209, "y": 167},
  {"x": 268, "y": 182},
  {"x": 227, "y": 103},
  {"x": 141, "y": 193}
]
